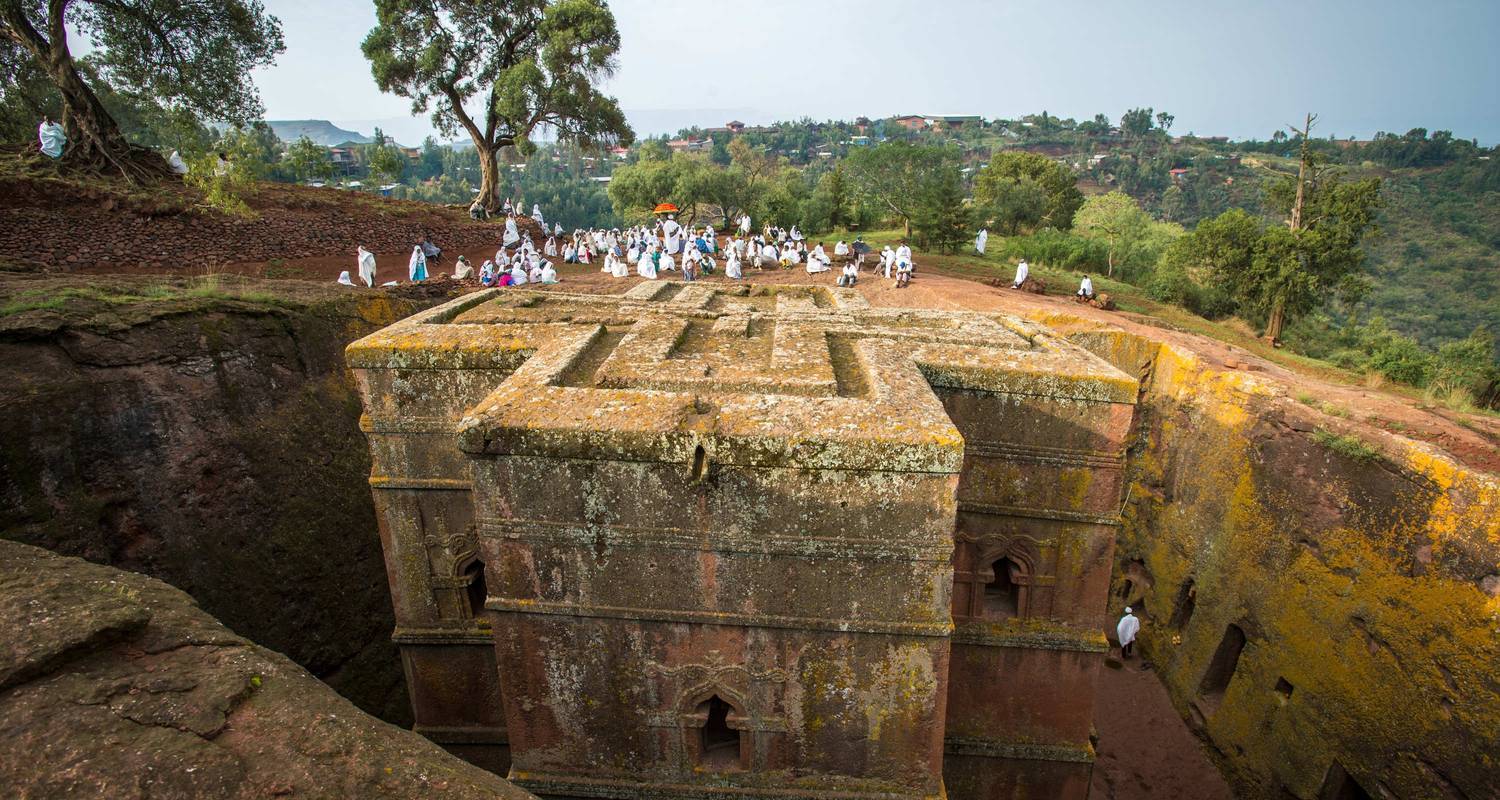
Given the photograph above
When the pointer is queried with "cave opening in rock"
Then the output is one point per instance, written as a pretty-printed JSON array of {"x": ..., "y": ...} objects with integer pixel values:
[
  {"x": 1221, "y": 669},
  {"x": 720, "y": 744},
  {"x": 1002, "y": 594},
  {"x": 1187, "y": 601},
  {"x": 1338, "y": 784},
  {"x": 476, "y": 591}
]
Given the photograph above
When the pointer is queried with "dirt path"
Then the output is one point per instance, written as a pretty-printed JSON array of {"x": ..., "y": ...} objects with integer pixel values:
[{"x": 1145, "y": 749}]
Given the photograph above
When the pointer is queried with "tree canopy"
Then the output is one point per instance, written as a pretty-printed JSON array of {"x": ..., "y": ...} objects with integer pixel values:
[
  {"x": 896, "y": 178},
  {"x": 1027, "y": 190},
  {"x": 192, "y": 55},
  {"x": 528, "y": 63}
]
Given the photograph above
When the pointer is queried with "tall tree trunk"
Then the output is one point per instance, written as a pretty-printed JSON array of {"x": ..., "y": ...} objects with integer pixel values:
[
  {"x": 94, "y": 138},
  {"x": 489, "y": 176},
  {"x": 1276, "y": 321}
]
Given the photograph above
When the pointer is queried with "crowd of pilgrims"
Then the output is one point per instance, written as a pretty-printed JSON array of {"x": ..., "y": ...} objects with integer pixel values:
[{"x": 649, "y": 251}]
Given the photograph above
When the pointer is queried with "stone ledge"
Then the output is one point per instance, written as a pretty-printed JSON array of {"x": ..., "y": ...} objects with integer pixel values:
[
  {"x": 920, "y": 629},
  {"x": 552, "y": 785},
  {"x": 1017, "y": 751},
  {"x": 1029, "y": 635}
]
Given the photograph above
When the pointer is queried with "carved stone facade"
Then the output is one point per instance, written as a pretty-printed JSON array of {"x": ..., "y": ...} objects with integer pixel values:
[{"x": 760, "y": 541}]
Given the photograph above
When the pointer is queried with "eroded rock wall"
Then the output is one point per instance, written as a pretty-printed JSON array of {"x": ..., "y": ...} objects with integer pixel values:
[
  {"x": 1320, "y": 601},
  {"x": 209, "y": 439},
  {"x": 116, "y": 685}
]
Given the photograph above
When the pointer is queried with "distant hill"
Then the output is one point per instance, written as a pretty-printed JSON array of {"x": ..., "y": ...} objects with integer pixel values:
[{"x": 321, "y": 131}]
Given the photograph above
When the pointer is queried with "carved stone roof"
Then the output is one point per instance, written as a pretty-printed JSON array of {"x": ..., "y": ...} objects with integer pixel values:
[{"x": 770, "y": 376}]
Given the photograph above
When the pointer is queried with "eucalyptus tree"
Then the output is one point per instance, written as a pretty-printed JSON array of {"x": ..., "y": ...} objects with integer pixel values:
[{"x": 500, "y": 70}]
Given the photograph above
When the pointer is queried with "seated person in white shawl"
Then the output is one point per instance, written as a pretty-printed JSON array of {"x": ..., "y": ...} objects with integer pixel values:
[
  {"x": 550, "y": 248},
  {"x": 51, "y": 137},
  {"x": 841, "y": 249},
  {"x": 646, "y": 266},
  {"x": 534, "y": 275},
  {"x": 549, "y": 275},
  {"x": 536, "y": 214},
  {"x": 620, "y": 269},
  {"x": 462, "y": 269},
  {"x": 789, "y": 256},
  {"x": 512, "y": 233},
  {"x": 517, "y": 274},
  {"x": 850, "y": 274},
  {"x": 817, "y": 260},
  {"x": 769, "y": 256},
  {"x": 666, "y": 264}
]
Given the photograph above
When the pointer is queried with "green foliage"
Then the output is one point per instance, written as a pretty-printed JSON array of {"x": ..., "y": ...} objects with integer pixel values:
[
  {"x": 1136, "y": 122},
  {"x": 1468, "y": 364},
  {"x": 1057, "y": 249},
  {"x": 1024, "y": 191},
  {"x": 386, "y": 163},
  {"x": 895, "y": 177},
  {"x": 1133, "y": 240},
  {"x": 942, "y": 220},
  {"x": 534, "y": 62},
  {"x": 1351, "y": 447},
  {"x": 307, "y": 160}
]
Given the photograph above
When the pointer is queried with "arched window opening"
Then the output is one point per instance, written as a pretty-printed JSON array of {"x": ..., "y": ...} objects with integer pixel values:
[
  {"x": 476, "y": 591},
  {"x": 1002, "y": 595},
  {"x": 720, "y": 745}
]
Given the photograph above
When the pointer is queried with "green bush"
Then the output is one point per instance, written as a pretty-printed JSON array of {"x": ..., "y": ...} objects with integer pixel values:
[
  {"x": 1401, "y": 359},
  {"x": 1057, "y": 249}
]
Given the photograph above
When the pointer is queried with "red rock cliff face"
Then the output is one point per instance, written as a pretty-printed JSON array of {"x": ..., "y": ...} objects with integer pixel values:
[
  {"x": 206, "y": 435},
  {"x": 116, "y": 685}
]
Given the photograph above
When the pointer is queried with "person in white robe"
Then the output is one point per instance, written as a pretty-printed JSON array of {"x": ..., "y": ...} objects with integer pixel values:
[
  {"x": 667, "y": 263},
  {"x": 981, "y": 240},
  {"x": 790, "y": 256},
  {"x": 366, "y": 266},
  {"x": 462, "y": 269},
  {"x": 512, "y": 233},
  {"x": 903, "y": 253},
  {"x": 548, "y": 274},
  {"x": 711, "y": 239},
  {"x": 1022, "y": 270},
  {"x": 344, "y": 279},
  {"x": 1127, "y": 628},
  {"x": 416, "y": 268},
  {"x": 887, "y": 260},
  {"x": 550, "y": 248},
  {"x": 841, "y": 249},
  {"x": 850, "y": 274},
  {"x": 745, "y": 225},
  {"x": 51, "y": 137},
  {"x": 175, "y": 161},
  {"x": 817, "y": 261},
  {"x": 557, "y": 229},
  {"x": 732, "y": 266},
  {"x": 517, "y": 274},
  {"x": 768, "y": 257},
  {"x": 536, "y": 214},
  {"x": 672, "y": 231},
  {"x": 796, "y": 234},
  {"x": 646, "y": 266},
  {"x": 534, "y": 275},
  {"x": 1086, "y": 288}
]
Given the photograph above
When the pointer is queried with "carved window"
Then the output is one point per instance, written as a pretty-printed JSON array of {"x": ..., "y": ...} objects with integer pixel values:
[
  {"x": 475, "y": 591},
  {"x": 719, "y": 743},
  {"x": 1002, "y": 595}
]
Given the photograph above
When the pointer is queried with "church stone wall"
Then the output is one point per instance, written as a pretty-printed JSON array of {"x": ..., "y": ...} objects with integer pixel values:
[{"x": 727, "y": 543}]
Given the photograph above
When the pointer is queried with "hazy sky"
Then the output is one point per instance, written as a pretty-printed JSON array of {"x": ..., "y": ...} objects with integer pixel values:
[{"x": 1240, "y": 69}]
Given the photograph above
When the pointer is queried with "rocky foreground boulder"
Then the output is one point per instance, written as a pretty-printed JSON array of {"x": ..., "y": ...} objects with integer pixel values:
[{"x": 116, "y": 685}]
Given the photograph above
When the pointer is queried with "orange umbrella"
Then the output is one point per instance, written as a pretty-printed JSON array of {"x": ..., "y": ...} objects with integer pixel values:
[{"x": 665, "y": 208}]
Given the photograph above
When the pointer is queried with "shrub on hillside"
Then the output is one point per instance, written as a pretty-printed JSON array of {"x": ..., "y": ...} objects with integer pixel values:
[{"x": 1050, "y": 247}]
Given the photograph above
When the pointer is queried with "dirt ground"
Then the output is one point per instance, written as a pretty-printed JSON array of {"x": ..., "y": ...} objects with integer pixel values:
[{"x": 1146, "y": 750}]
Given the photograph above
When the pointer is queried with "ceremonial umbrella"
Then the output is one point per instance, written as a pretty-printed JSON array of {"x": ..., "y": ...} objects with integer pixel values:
[{"x": 665, "y": 208}]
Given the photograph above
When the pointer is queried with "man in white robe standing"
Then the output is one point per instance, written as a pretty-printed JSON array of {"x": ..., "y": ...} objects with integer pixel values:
[
  {"x": 981, "y": 240},
  {"x": 366, "y": 266},
  {"x": 1022, "y": 270},
  {"x": 1127, "y": 629},
  {"x": 672, "y": 231},
  {"x": 745, "y": 225},
  {"x": 512, "y": 233}
]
